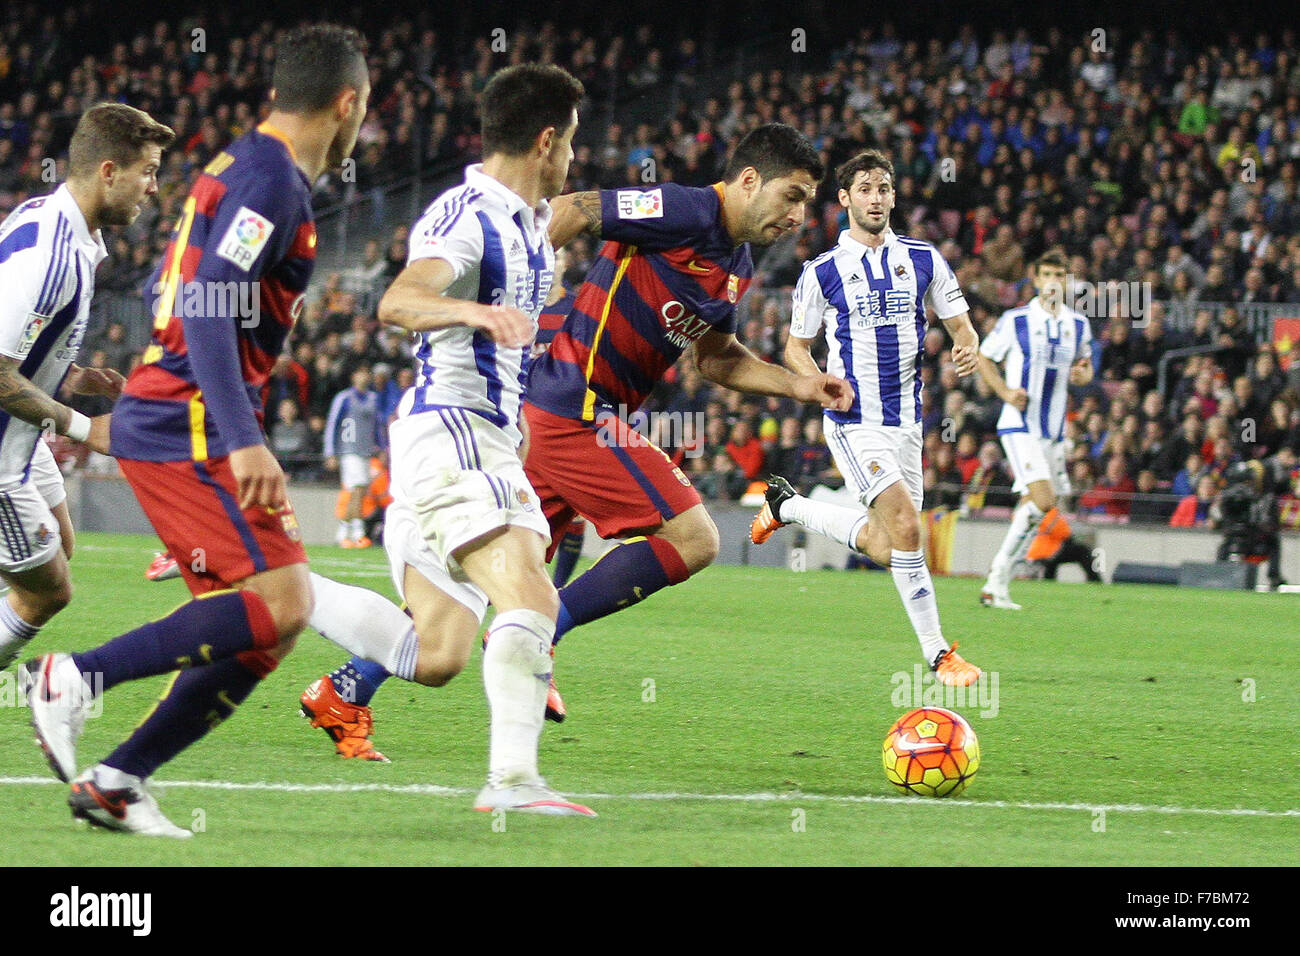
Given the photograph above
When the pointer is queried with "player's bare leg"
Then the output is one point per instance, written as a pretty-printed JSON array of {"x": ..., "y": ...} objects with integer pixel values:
[
  {"x": 34, "y": 596},
  {"x": 430, "y": 644},
  {"x": 644, "y": 562},
  {"x": 509, "y": 565}
]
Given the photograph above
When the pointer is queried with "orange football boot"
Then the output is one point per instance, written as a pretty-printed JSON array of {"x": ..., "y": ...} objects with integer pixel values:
[
  {"x": 768, "y": 519},
  {"x": 348, "y": 725},
  {"x": 951, "y": 669}
]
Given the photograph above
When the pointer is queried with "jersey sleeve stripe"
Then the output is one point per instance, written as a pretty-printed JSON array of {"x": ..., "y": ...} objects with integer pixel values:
[
  {"x": 56, "y": 273},
  {"x": 24, "y": 237},
  {"x": 1022, "y": 337}
]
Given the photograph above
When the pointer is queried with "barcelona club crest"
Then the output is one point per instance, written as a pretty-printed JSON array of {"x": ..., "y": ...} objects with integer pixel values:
[
  {"x": 289, "y": 521},
  {"x": 733, "y": 288}
]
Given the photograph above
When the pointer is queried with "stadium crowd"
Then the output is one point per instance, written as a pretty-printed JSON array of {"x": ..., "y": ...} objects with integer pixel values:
[{"x": 1149, "y": 162}]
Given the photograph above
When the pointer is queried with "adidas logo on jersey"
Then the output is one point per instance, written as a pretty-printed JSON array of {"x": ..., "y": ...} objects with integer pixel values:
[
  {"x": 854, "y": 278},
  {"x": 515, "y": 248}
]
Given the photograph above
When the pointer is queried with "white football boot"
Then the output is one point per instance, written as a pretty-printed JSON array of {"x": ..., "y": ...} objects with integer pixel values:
[
  {"x": 114, "y": 800},
  {"x": 531, "y": 796},
  {"x": 59, "y": 699}
]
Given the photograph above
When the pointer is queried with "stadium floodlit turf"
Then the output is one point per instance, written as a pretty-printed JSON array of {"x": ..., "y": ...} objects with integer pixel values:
[{"x": 736, "y": 719}]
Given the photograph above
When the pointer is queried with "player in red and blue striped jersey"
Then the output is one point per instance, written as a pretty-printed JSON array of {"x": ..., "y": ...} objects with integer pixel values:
[
  {"x": 188, "y": 436},
  {"x": 674, "y": 263}
]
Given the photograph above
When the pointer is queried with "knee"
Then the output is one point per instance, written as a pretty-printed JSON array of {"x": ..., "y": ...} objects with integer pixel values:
[
  {"x": 438, "y": 669},
  {"x": 697, "y": 543},
  {"x": 291, "y": 611},
  {"x": 905, "y": 533},
  {"x": 50, "y": 603}
]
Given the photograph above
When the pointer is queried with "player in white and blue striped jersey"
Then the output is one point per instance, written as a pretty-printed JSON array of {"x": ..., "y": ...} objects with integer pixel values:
[
  {"x": 1046, "y": 347},
  {"x": 49, "y": 248},
  {"x": 869, "y": 297},
  {"x": 465, "y": 526}
]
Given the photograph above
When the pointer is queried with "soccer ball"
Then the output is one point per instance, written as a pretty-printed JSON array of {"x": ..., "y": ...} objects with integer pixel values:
[{"x": 931, "y": 752}]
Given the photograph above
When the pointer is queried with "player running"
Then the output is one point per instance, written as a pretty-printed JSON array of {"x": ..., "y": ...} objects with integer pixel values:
[
  {"x": 49, "y": 248},
  {"x": 187, "y": 435},
  {"x": 1046, "y": 347},
  {"x": 465, "y": 526},
  {"x": 674, "y": 263},
  {"x": 869, "y": 296}
]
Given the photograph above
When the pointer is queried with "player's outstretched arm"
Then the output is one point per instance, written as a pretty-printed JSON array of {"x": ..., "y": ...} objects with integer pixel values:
[
  {"x": 572, "y": 215},
  {"x": 721, "y": 358},
  {"x": 415, "y": 302},
  {"x": 24, "y": 401},
  {"x": 965, "y": 343},
  {"x": 798, "y": 355}
]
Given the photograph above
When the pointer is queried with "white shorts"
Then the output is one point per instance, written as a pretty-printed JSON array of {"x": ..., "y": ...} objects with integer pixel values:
[
  {"x": 873, "y": 457},
  {"x": 45, "y": 473},
  {"x": 405, "y": 546},
  {"x": 1036, "y": 459},
  {"x": 354, "y": 471},
  {"x": 461, "y": 478}
]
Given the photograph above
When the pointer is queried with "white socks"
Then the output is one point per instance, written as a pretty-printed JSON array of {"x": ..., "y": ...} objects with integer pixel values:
[
  {"x": 365, "y": 624},
  {"x": 14, "y": 631},
  {"x": 834, "y": 521},
  {"x": 1024, "y": 524},
  {"x": 912, "y": 578},
  {"x": 516, "y": 674},
  {"x": 357, "y": 528}
]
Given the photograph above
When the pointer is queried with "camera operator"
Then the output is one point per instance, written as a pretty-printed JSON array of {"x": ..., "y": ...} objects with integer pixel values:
[{"x": 1248, "y": 513}]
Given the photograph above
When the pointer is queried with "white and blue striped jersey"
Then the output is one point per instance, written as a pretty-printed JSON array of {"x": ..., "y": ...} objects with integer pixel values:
[
  {"x": 498, "y": 247},
  {"x": 871, "y": 304},
  {"x": 1039, "y": 349},
  {"x": 47, "y": 273}
]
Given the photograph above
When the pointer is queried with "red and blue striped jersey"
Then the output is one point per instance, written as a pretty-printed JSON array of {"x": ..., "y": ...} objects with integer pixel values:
[
  {"x": 667, "y": 273},
  {"x": 224, "y": 299}
]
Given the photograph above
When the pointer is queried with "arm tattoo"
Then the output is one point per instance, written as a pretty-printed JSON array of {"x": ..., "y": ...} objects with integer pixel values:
[
  {"x": 588, "y": 204},
  {"x": 24, "y": 401}
]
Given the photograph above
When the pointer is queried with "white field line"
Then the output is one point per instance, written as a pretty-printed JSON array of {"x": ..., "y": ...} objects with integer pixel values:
[{"x": 436, "y": 790}]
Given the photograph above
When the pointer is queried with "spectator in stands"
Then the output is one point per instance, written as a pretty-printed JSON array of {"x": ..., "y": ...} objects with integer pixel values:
[
  {"x": 1113, "y": 494},
  {"x": 292, "y": 441},
  {"x": 1194, "y": 510},
  {"x": 1148, "y": 506}
]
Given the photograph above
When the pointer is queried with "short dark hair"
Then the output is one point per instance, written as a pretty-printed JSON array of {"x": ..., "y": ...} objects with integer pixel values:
[
  {"x": 775, "y": 150},
  {"x": 864, "y": 162},
  {"x": 522, "y": 101},
  {"x": 1052, "y": 257},
  {"x": 116, "y": 132},
  {"x": 313, "y": 64}
]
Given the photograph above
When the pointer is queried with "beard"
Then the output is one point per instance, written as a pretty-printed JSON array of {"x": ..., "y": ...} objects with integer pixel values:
[{"x": 863, "y": 223}]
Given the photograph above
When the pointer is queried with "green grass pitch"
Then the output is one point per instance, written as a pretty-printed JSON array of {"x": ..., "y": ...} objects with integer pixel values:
[{"x": 735, "y": 719}]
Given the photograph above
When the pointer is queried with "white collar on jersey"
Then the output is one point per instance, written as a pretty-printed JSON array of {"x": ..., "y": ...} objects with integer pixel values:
[
  {"x": 860, "y": 248},
  {"x": 475, "y": 177},
  {"x": 1063, "y": 311},
  {"x": 93, "y": 245}
]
